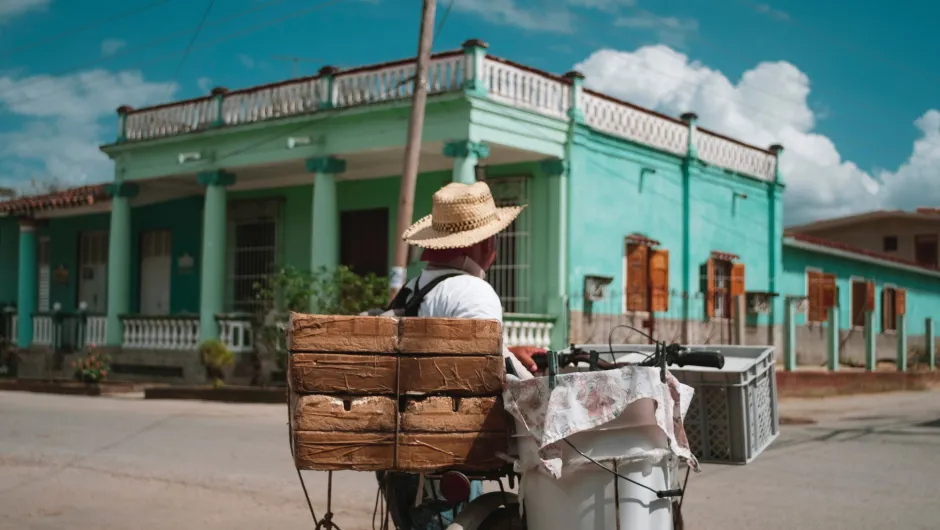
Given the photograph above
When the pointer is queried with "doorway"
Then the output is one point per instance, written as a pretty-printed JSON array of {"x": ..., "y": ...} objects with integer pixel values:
[
  {"x": 156, "y": 259},
  {"x": 364, "y": 241},
  {"x": 93, "y": 270}
]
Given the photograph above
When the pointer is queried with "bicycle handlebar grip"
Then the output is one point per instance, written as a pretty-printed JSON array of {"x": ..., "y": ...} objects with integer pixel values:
[
  {"x": 707, "y": 359},
  {"x": 541, "y": 361}
]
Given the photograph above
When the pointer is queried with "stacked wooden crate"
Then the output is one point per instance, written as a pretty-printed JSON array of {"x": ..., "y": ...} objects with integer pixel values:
[{"x": 404, "y": 394}]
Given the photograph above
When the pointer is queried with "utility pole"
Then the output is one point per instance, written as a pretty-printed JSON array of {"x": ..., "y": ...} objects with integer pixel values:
[{"x": 409, "y": 176}]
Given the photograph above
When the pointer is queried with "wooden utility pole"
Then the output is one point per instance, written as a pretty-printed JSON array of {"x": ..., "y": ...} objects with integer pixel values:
[{"x": 409, "y": 176}]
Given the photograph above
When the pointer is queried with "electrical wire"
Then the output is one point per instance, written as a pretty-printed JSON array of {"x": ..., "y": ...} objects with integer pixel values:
[
  {"x": 147, "y": 45},
  {"x": 189, "y": 47},
  {"x": 220, "y": 40},
  {"x": 79, "y": 29}
]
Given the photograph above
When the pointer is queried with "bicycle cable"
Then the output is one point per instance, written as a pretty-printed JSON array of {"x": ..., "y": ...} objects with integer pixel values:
[{"x": 663, "y": 494}]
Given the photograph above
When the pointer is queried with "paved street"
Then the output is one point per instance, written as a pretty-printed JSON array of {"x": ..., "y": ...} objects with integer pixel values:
[{"x": 118, "y": 463}]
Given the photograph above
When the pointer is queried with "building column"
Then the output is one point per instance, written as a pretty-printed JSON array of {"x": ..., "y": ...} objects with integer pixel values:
[
  {"x": 466, "y": 155},
  {"x": 324, "y": 250},
  {"x": 26, "y": 294},
  {"x": 212, "y": 294},
  {"x": 555, "y": 171},
  {"x": 119, "y": 259}
]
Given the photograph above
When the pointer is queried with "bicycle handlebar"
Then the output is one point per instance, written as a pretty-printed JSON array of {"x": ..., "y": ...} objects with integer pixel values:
[{"x": 703, "y": 358}]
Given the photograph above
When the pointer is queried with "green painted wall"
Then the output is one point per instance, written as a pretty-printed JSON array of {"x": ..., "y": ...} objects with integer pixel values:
[
  {"x": 9, "y": 260},
  {"x": 183, "y": 218},
  {"x": 618, "y": 188},
  {"x": 923, "y": 290},
  {"x": 64, "y": 234}
]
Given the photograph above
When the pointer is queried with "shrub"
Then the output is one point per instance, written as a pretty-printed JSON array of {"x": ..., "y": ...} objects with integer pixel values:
[{"x": 215, "y": 357}]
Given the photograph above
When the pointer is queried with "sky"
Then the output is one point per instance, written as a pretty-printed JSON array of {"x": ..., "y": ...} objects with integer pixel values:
[{"x": 848, "y": 90}]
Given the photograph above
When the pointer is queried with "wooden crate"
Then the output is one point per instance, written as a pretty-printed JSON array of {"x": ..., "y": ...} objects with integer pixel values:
[{"x": 409, "y": 394}]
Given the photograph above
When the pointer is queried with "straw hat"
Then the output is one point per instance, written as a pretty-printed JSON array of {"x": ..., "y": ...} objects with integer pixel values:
[{"x": 461, "y": 216}]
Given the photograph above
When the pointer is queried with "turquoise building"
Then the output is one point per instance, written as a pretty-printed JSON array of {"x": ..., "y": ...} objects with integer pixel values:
[{"x": 634, "y": 217}]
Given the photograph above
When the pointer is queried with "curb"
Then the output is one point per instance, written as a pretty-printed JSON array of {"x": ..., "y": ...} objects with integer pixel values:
[
  {"x": 70, "y": 388},
  {"x": 225, "y": 394},
  {"x": 824, "y": 384}
]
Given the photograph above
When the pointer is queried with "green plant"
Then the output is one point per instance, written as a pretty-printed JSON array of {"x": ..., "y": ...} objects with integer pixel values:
[
  {"x": 93, "y": 367},
  {"x": 215, "y": 357},
  {"x": 327, "y": 292}
]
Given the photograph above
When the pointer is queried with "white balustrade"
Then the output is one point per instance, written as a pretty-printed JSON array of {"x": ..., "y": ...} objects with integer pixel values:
[
  {"x": 636, "y": 124},
  {"x": 505, "y": 81},
  {"x": 15, "y": 331},
  {"x": 161, "y": 333},
  {"x": 96, "y": 330},
  {"x": 733, "y": 155},
  {"x": 237, "y": 335},
  {"x": 522, "y": 87},
  {"x": 521, "y": 332},
  {"x": 43, "y": 330}
]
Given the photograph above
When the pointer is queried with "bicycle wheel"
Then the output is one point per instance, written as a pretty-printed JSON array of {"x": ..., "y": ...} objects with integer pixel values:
[{"x": 504, "y": 518}]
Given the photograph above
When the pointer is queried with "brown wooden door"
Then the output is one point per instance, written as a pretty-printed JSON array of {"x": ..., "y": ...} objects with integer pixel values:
[{"x": 364, "y": 241}]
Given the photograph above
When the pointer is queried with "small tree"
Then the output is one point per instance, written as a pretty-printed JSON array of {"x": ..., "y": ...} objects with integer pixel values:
[{"x": 332, "y": 292}]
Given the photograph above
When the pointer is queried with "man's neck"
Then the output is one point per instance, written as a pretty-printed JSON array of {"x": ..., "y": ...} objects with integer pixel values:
[{"x": 464, "y": 264}]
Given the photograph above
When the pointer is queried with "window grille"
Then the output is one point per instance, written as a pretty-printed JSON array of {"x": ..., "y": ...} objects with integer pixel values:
[
  {"x": 253, "y": 250},
  {"x": 510, "y": 274}
]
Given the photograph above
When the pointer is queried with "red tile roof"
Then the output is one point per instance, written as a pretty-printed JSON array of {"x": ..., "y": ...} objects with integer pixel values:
[
  {"x": 855, "y": 250},
  {"x": 70, "y": 198}
]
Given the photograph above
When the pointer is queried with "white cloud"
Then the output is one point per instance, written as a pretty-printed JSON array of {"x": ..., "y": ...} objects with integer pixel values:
[
  {"x": 204, "y": 84},
  {"x": 768, "y": 104},
  {"x": 14, "y": 8},
  {"x": 671, "y": 31},
  {"x": 550, "y": 18},
  {"x": 111, "y": 46},
  {"x": 246, "y": 60},
  {"x": 63, "y": 120}
]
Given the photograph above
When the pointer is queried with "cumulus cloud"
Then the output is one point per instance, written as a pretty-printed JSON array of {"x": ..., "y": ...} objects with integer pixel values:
[
  {"x": 204, "y": 84},
  {"x": 62, "y": 120},
  {"x": 769, "y": 104},
  {"x": 111, "y": 46}
]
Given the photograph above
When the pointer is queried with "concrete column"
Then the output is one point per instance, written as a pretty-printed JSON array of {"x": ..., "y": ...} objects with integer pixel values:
[
  {"x": 212, "y": 294},
  {"x": 902, "y": 343},
  {"x": 871, "y": 358},
  {"x": 789, "y": 337},
  {"x": 324, "y": 252},
  {"x": 475, "y": 54},
  {"x": 739, "y": 319},
  {"x": 119, "y": 259},
  {"x": 833, "y": 339},
  {"x": 691, "y": 156},
  {"x": 554, "y": 171},
  {"x": 930, "y": 344},
  {"x": 26, "y": 283},
  {"x": 575, "y": 101},
  {"x": 466, "y": 155}
]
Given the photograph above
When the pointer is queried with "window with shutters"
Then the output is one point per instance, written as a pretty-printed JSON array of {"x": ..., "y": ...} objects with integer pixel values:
[
  {"x": 723, "y": 280},
  {"x": 863, "y": 300},
  {"x": 822, "y": 294},
  {"x": 646, "y": 277},
  {"x": 893, "y": 303},
  {"x": 926, "y": 249}
]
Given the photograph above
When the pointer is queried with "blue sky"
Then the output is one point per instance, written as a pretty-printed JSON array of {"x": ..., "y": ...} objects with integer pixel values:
[{"x": 843, "y": 85}]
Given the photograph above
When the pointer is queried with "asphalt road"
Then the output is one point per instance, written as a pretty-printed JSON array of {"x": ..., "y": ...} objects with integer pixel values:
[{"x": 116, "y": 463}]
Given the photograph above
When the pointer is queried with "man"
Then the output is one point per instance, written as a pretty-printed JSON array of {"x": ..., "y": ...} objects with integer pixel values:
[{"x": 459, "y": 242}]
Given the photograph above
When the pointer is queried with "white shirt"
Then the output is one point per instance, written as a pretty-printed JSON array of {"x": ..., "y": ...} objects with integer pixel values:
[{"x": 464, "y": 296}]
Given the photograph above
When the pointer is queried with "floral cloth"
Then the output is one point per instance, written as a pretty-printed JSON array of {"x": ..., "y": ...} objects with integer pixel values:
[{"x": 584, "y": 400}]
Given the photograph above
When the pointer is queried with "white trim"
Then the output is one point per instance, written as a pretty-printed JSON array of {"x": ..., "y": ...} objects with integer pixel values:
[{"x": 822, "y": 249}]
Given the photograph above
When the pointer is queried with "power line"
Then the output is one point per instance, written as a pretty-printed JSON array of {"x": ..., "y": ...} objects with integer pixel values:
[
  {"x": 189, "y": 47},
  {"x": 230, "y": 36},
  {"x": 150, "y": 44},
  {"x": 79, "y": 29}
]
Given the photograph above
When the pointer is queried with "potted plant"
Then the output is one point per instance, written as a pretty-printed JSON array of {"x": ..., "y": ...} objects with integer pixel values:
[
  {"x": 93, "y": 367},
  {"x": 215, "y": 357}
]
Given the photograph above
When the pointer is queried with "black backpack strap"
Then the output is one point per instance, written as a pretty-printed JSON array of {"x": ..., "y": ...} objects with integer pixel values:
[{"x": 414, "y": 303}]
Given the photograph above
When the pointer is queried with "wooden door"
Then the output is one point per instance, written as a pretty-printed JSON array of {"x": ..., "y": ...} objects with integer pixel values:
[
  {"x": 364, "y": 241},
  {"x": 156, "y": 259},
  {"x": 93, "y": 270}
]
